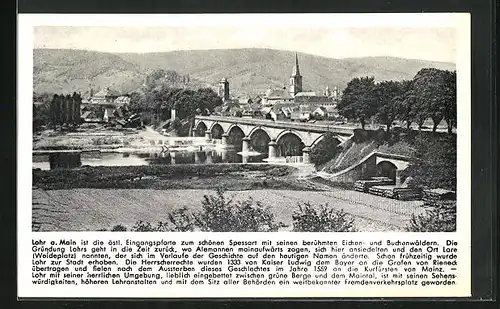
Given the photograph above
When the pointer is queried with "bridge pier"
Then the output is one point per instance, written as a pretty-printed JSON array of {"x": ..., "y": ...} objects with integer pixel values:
[
  {"x": 305, "y": 155},
  {"x": 209, "y": 157},
  {"x": 244, "y": 159},
  {"x": 172, "y": 158},
  {"x": 224, "y": 139},
  {"x": 272, "y": 149},
  {"x": 398, "y": 177},
  {"x": 224, "y": 156},
  {"x": 208, "y": 135},
  {"x": 246, "y": 144},
  {"x": 196, "y": 157}
]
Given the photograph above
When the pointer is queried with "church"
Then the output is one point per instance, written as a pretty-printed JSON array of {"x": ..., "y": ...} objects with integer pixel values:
[{"x": 295, "y": 93}]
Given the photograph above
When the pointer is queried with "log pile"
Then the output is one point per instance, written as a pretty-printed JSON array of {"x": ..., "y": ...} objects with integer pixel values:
[
  {"x": 434, "y": 195},
  {"x": 399, "y": 193},
  {"x": 365, "y": 185}
]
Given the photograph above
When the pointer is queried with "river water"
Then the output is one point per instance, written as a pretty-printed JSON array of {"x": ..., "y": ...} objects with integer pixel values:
[{"x": 77, "y": 159}]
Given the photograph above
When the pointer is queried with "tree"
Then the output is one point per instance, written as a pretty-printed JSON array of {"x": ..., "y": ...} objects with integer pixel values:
[
  {"x": 358, "y": 100},
  {"x": 406, "y": 101},
  {"x": 390, "y": 96},
  {"x": 55, "y": 110},
  {"x": 435, "y": 162},
  {"x": 450, "y": 99},
  {"x": 435, "y": 92},
  {"x": 154, "y": 77}
]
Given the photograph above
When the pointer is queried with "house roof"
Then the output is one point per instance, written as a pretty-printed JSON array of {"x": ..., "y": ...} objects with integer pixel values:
[
  {"x": 306, "y": 108},
  {"x": 266, "y": 110},
  {"x": 312, "y": 97},
  {"x": 306, "y": 94},
  {"x": 122, "y": 99},
  {"x": 322, "y": 108},
  {"x": 330, "y": 108}
]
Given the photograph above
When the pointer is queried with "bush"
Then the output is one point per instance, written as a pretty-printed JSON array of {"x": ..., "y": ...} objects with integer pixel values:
[
  {"x": 119, "y": 228},
  {"x": 222, "y": 215},
  {"x": 142, "y": 226},
  {"x": 439, "y": 216},
  {"x": 181, "y": 220},
  {"x": 324, "y": 219},
  {"x": 325, "y": 150}
]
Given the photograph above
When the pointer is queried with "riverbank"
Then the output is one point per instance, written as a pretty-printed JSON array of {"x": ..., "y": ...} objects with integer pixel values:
[{"x": 185, "y": 176}]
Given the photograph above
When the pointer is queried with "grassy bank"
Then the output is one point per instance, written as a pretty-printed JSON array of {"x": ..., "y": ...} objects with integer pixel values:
[
  {"x": 162, "y": 177},
  {"x": 95, "y": 209}
]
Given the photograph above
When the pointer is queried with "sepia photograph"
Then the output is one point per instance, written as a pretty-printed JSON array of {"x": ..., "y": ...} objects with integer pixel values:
[{"x": 244, "y": 129}]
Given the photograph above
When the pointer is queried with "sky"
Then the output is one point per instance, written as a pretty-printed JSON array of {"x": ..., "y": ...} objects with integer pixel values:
[{"x": 425, "y": 43}]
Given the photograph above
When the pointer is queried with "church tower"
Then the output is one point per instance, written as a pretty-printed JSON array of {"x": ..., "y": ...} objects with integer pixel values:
[
  {"x": 295, "y": 79},
  {"x": 224, "y": 89}
]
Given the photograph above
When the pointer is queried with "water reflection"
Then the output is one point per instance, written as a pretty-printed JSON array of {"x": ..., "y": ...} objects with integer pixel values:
[
  {"x": 64, "y": 160},
  {"x": 75, "y": 159}
]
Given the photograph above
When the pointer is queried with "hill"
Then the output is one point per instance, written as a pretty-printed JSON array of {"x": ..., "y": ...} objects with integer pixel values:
[
  {"x": 249, "y": 71},
  {"x": 64, "y": 71}
]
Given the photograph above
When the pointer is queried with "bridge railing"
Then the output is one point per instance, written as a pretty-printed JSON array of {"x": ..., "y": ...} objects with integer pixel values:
[{"x": 281, "y": 124}]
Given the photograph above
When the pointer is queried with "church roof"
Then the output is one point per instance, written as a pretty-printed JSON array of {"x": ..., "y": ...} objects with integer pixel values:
[
  {"x": 296, "y": 71},
  {"x": 278, "y": 93},
  {"x": 306, "y": 94}
]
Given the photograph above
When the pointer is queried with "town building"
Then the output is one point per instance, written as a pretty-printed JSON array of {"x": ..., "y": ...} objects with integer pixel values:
[
  {"x": 296, "y": 94},
  {"x": 224, "y": 89}
]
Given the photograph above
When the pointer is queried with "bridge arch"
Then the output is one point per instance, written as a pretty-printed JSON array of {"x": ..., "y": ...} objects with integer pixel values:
[
  {"x": 259, "y": 140},
  {"x": 321, "y": 137},
  {"x": 257, "y": 128},
  {"x": 285, "y": 132},
  {"x": 216, "y": 131},
  {"x": 200, "y": 129},
  {"x": 235, "y": 135},
  {"x": 289, "y": 143},
  {"x": 386, "y": 168}
]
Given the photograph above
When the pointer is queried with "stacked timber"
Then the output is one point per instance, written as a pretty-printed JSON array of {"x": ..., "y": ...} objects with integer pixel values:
[
  {"x": 434, "y": 195},
  {"x": 399, "y": 193},
  {"x": 365, "y": 185},
  {"x": 406, "y": 194},
  {"x": 385, "y": 191}
]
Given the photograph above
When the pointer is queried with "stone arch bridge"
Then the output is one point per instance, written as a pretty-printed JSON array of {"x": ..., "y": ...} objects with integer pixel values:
[{"x": 309, "y": 134}]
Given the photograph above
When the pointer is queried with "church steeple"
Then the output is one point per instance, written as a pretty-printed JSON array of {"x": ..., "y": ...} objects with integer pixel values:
[
  {"x": 296, "y": 71},
  {"x": 295, "y": 79}
]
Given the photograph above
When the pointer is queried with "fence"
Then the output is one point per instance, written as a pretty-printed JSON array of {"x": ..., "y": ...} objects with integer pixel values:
[{"x": 391, "y": 205}]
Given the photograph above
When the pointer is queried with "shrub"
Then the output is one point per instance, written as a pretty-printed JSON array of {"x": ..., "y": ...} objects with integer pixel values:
[
  {"x": 324, "y": 219},
  {"x": 142, "y": 226},
  {"x": 439, "y": 216},
  {"x": 119, "y": 228},
  {"x": 181, "y": 220},
  {"x": 222, "y": 215}
]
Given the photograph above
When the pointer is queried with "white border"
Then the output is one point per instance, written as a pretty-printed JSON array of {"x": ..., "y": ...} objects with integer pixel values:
[{"x": 461, "y": 22}]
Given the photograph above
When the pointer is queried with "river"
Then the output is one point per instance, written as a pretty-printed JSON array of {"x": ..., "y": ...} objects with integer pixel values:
[{"x": 78, "y": 159}]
